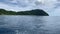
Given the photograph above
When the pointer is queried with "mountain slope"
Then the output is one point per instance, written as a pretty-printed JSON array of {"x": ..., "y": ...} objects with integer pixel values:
[{"x": 31, "y": 12}]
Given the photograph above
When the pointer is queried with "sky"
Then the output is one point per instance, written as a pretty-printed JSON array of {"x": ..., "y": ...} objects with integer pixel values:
[{"x": 52, "y": 7}]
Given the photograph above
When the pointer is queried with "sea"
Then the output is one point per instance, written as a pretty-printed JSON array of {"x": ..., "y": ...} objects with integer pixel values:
[{"x": 20, "y": 24}]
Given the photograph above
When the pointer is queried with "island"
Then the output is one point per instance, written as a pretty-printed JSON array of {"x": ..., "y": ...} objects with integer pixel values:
[{"x": 37, "y": 12}]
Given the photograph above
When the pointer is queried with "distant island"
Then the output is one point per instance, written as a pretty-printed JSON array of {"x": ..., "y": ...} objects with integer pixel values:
[{"x": 36, "y": 12}]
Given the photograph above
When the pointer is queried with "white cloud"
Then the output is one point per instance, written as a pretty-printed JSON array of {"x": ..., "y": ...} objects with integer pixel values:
[{"x": 21, "y": 5}]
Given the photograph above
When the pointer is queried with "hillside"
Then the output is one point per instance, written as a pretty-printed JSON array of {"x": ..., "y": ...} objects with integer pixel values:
[{"x": 31, "y": 12}]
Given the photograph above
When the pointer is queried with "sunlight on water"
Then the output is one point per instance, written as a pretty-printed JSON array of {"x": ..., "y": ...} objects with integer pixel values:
[{"x": 17, "y": 32}]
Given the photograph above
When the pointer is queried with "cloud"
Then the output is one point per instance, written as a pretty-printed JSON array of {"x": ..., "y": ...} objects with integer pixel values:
[{"x": 22, "y": 3}]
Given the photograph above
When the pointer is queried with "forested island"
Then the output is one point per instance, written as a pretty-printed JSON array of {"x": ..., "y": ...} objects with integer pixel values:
[{"x": 36, "y": 12}]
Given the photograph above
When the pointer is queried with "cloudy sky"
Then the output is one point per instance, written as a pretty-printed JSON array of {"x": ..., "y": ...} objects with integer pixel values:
[{"x": 52, "y": 7}]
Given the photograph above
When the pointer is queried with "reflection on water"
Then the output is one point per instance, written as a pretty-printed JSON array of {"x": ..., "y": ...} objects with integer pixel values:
[{"x": 29, "y": 25}]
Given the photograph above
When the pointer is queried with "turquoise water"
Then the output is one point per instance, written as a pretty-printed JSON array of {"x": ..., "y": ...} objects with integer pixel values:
[{"x": 29, "y": 24}]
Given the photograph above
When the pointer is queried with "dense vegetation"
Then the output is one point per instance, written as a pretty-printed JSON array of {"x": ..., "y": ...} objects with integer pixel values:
[
  {"x": 4, "y": 12},
  {"x": 31, "y": 12}
]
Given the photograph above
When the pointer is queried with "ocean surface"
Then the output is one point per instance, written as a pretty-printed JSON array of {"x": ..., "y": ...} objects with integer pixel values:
[{"x": 29, "y": 24}]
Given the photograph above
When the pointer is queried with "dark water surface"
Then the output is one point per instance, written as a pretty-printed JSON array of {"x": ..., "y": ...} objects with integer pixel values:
[{"x": 29, "y": 25}]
